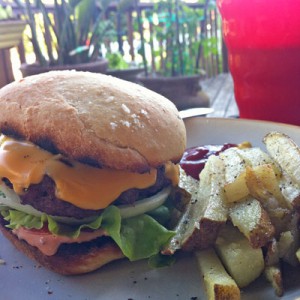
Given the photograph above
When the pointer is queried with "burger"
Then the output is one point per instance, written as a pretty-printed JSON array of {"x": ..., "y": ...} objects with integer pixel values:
[{"x": 87, "y": 164}]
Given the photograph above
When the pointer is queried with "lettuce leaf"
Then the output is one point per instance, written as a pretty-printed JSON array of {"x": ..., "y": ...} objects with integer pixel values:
[
  {"x": 138, "y": 237},
  {"x": 18, "y": 219},
  {"x": 142, "y": 236},
  {"x": 159, "y": 261}
]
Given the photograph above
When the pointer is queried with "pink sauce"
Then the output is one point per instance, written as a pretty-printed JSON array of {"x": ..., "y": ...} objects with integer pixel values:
[
  {"x": 194, "y": 159},
  {"x": 48, "y": 243}
]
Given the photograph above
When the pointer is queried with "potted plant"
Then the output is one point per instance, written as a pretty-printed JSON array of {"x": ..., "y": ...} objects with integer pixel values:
[
  {"x": 71, "y": 37},
  {"x": 175, "y": 47},
  {"x": 11, "y": 28},
  {"x": 119, "y": 66}
]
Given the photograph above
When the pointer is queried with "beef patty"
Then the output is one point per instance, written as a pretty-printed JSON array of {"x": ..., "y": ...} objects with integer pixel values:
[{"x": 42, "y": 197}]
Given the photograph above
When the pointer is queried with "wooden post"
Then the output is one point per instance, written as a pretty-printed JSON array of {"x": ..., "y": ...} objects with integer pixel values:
[
  {"x": 6, "y": 73},
  {"x": 130, "y": 34},
  {"x": 21, "y": 51}
]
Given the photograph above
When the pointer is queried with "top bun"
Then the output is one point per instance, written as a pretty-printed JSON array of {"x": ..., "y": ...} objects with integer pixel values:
[{"x": 94, "y": 118}]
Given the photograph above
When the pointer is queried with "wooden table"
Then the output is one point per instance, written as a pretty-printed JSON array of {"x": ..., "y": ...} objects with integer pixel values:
[{"x": 221, "y": 94}]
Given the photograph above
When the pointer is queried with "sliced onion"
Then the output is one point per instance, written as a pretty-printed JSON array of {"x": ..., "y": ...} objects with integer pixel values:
[
  {"x": 12, "y": 200},
  {"x": 147, "y": 204}
]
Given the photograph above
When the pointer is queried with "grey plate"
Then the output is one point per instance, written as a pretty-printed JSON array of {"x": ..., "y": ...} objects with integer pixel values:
[{"x": 21, "y": 278}]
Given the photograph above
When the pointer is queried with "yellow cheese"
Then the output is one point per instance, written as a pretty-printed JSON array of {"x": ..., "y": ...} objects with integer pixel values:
[{"x": 23, "y": 164}]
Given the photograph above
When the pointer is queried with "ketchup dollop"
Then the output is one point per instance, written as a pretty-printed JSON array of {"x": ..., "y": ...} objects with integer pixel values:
[{"x": 194, "y": 158}]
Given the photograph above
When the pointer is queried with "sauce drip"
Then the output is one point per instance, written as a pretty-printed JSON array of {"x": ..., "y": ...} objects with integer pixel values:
[
  {"x": 194, "y": 158},
  {"x": 49, "y": 243}
]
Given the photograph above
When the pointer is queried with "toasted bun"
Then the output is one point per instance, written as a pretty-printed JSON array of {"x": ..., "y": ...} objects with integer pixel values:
[
  {"x": 78, "y": 259},
  {"x": 94, "y": 118}
]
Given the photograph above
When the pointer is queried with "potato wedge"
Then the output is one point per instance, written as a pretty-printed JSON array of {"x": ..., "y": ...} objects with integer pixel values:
[
  {"x": 289, "y": 241},
  {"x": 235, "y": 184},
  {"x": 242, "y": 262},
  {"x": 207, "y": 211},
  {"x": 262, "y": 172},
  {"x": 218, "y": 284},
  {"x": 244, "y": 145},
  {"x": 290, "y": 190},
  {"x": 285, "y": 242},
  {"x": 271, "y": 253},
  {"x": 263, "y": 184},
  {"x": 285, "y": 152},
  {"x": 287, "y": 155},
  {"x": 236, "y": 190},
  {"x": 274, "y": 276},
  {"x": 254, "y": 157},
  {"x": 188, "y": 183},
  {"x": 234, "y": 164},
  {"x": 298, "y": 254},
  {"x": 253, "y": 221},
  {"x": 264, "y": 180}
]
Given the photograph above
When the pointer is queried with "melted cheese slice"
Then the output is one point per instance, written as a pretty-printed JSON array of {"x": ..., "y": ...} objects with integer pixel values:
[{"x": 23, "y": 164}]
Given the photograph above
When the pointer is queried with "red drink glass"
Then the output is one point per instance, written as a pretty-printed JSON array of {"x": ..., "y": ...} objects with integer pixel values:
[{"x": 263, "y": 41}]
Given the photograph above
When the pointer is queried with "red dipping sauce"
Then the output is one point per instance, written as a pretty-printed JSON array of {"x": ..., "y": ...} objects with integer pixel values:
[{"x": 194, "y": 159}]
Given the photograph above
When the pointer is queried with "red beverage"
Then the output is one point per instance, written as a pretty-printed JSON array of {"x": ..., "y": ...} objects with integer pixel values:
[{"x": 263, "y": 41}]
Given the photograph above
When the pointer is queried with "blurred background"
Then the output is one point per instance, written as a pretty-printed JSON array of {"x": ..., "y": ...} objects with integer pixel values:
[{"x": 154, "y": 43}]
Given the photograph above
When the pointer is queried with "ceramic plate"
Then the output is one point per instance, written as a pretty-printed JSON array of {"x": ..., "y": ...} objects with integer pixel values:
[{"x": 21, "y": 278}]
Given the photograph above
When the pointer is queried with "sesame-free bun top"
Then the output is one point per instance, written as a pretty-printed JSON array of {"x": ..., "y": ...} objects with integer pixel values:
[{"x": 94, "y": 118}]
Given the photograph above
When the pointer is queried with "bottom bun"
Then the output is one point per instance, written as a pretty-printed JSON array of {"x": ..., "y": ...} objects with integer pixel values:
[{"x": 71, "y": 259}]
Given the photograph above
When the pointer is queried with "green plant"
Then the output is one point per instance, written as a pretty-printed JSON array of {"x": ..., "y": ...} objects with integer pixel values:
[
  {"x": 175, "y": 38},
  {"x": 6, "y": 12},
  {"x": 69, "y": 33},
  {"x": 115, "y": 55},
  {"x": 116, "y": 61}
]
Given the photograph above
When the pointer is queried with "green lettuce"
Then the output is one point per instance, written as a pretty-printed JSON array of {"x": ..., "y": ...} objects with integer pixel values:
[
  {"x": 138, "y": 237},
  {"x": 158, "y": 260}
]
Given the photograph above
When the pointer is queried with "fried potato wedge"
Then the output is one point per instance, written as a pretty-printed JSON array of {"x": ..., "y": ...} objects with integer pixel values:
[
  {"x": 271, "y": 255},
  {"x": 236, "y": 190},
  {"x": 234, "y": 164},
  {"x": 285, "y": 242},
  {"x": 262, "y": 183},
  {"x": 207, "y": 211},
  {"x": 251, "y": 171},
  {"x": 253, "y": 221},
  {"x": 235, "y": 187},
  {"x": 287, "y": 155},
  {"x": 274, "y": 275},
  {"x": 218, "y": 284},
  {"x": 285, "y": 152},
  {"x": 241, "y": 260},
  {"x": 289, "y": 241},
  {"x": 298, "y": 254},
  {"x": 290, "y": 190},
  {"x": 255, "y": 157}
]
